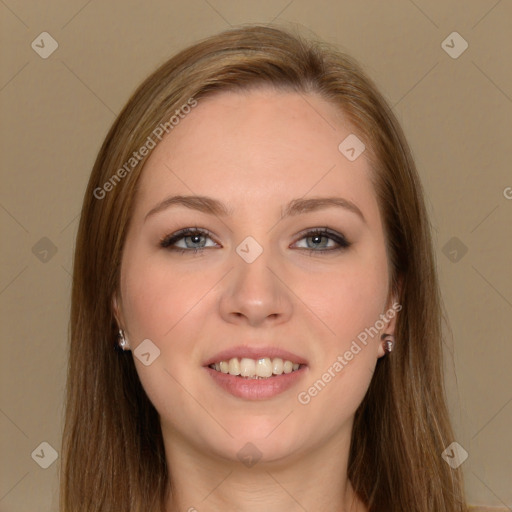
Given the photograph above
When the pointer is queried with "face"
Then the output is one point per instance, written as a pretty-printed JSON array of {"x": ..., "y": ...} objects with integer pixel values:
[{"x": 283, "y": 259}]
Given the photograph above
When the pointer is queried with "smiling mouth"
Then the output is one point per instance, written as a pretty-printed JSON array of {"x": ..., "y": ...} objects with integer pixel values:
[{"x": 263, "y": 368}]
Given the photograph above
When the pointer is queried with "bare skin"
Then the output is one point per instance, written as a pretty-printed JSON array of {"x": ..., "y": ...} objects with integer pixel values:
[{"x": 255, "y": 152}]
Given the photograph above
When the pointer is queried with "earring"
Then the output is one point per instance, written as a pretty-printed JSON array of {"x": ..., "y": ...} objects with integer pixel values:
[
  {"x": 123, "y": 342},
  {"x": 389, "y": 342}
]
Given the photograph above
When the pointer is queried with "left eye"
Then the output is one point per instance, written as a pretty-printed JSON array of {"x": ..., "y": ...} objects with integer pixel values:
[{"x": 317, "y": 240}]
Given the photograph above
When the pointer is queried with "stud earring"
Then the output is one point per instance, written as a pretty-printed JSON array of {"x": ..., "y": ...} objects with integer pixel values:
[
  {"x": 389, "y": 342},
  {"x": 123, "y": 342}
]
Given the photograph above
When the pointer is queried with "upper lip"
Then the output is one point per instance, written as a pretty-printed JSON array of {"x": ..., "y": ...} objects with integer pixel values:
[{"x": 253, "y": 352}]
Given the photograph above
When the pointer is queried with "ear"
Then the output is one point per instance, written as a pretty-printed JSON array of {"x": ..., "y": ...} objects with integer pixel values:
[{"x": 116, "y": 308}]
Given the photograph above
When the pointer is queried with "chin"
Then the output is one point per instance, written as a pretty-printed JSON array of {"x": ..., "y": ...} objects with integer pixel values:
[{"x": 257, "y": 440}]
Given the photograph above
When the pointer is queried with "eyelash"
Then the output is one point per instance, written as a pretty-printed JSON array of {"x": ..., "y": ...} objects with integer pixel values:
[{"x": 168, "y": 241}]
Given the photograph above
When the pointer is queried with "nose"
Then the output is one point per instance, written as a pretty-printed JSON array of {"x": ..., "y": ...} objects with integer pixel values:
[{"x": 255, "y": 294}]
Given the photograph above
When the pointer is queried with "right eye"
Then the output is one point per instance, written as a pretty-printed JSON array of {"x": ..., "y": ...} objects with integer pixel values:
[{"x": 187, "y": 240}]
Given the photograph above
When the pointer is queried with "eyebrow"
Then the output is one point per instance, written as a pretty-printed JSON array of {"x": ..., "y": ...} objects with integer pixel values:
[{"x": 212, "y": 206}]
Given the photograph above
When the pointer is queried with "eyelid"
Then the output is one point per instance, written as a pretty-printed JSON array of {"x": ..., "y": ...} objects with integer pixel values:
[
  {"x": 167, "y": 240},
  {"x": 323, "y": 231}
]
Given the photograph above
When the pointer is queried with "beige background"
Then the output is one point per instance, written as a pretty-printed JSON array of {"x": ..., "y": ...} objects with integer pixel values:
[{"x": 457, "y": 114}]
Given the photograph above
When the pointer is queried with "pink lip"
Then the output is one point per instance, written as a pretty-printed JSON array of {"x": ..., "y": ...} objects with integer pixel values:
[
  {"x": 256, "y": 389},
  {"x": 254, "y": 353}
]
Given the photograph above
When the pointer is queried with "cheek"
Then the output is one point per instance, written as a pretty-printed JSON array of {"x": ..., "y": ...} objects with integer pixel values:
[
  {"x": 334, "y": 395},
  {"x": 349, "y": 304},
  {"x": 144, "y": 302},
  {"x": 347, "y": 299},
  {"x": 156, "y": 298},
  {"x": 168, "y": 308}
]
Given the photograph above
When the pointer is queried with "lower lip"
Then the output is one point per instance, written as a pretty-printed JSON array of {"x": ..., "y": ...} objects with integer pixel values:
[{"x": 256, "y": 389}]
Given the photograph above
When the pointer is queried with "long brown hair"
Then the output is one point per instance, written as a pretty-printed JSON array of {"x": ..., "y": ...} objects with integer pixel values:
[{"x": 113, "y": 457}]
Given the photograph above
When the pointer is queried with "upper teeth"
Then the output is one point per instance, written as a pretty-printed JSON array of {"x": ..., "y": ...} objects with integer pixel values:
[{"x": 254, "y": 368}]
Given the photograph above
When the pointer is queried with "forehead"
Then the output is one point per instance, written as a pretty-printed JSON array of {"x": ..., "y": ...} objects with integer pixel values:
[
  {"x": 260, "y": 121},
  {"x": 267, "y": 142}
]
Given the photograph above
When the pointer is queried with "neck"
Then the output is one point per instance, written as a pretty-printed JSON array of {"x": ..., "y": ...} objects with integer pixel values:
[{"x": 308, "y": 481}]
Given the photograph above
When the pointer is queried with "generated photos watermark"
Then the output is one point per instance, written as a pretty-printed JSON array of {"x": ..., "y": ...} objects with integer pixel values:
[
  {"x": 304, "y": 397},
  {"x": 151, "y": 142}
]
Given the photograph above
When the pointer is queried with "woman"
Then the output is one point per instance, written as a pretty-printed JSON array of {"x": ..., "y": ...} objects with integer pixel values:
[{"x": 254, "y": 243}]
